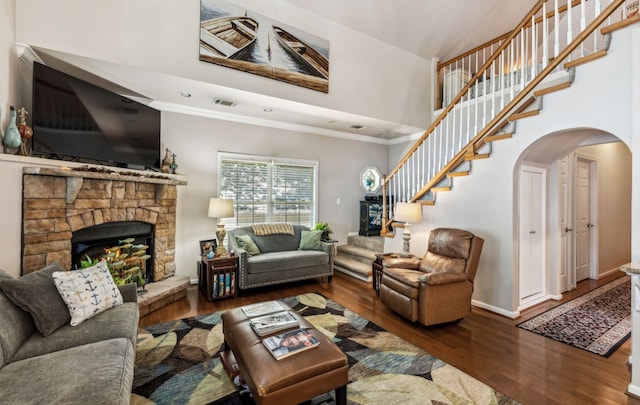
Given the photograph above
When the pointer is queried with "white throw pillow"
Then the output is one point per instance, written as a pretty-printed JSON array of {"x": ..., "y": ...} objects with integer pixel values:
[{"x": 87, "y": 292}]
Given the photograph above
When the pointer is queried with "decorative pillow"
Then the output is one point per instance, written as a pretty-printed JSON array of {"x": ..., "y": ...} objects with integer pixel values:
[
  {"x": 246, "y": 243},
  {"x": 310, "y": 240},
  {"x": 36, "y": 293},
  {"x": 87, "y": 292}
]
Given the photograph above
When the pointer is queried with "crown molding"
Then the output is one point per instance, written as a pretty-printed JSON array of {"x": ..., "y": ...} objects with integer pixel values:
[{"x": 27, "y": 55}]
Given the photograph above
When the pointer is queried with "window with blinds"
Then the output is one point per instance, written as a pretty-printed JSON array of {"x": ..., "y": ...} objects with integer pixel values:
[{"x": 267, "y": 190}]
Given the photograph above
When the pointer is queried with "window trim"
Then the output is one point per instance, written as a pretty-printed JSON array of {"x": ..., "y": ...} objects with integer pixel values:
[{"x": 270, "y": 160}]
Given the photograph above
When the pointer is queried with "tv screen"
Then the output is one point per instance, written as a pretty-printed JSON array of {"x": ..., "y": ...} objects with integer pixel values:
[{"x": 76, "y": 120}]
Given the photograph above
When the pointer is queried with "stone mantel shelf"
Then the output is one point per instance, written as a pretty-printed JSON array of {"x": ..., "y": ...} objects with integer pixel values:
[{"x": 75, "y": 179}]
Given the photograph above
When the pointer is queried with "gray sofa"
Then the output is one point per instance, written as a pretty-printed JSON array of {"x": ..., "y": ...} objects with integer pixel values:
[
  {"x": 280, "y": 260},
  {"x": 91, "y": 363}
]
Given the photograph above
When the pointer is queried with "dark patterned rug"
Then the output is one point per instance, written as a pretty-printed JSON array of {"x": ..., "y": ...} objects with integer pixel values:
[
  {"x": 598, "y": 321},
  {"x": 178, "y": 363}
]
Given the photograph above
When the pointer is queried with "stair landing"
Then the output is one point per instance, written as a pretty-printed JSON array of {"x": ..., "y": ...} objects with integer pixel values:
[{"x": 355, "y": 258}]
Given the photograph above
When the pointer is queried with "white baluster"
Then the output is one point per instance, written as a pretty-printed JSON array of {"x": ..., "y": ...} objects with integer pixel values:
[
  {"x": 556, "y": 25},
  {"x": 476, "y": 86},
  {"x": 596, "y": 11},
  {"x": 583, "y": 23},
  {"x": 469, "y": 102},
  {"x": 545, "y": 36},
  {"x": 534, "y": 48}
]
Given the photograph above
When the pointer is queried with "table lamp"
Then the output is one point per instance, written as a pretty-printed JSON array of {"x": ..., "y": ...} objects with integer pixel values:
[
  {"x": 408, "y": 213},
  {"x": 220, "y": 208}
]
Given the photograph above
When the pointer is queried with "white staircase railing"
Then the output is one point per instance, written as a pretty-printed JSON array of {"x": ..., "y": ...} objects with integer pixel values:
[{"x": 553, "y": 33}]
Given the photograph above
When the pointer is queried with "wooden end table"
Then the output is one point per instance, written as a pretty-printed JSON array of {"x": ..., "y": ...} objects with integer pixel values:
[{"x": 218, "y": 277}]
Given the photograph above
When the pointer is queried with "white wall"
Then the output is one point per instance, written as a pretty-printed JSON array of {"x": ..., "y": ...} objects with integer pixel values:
[
  {"x": 8, "y": 79},
  {"x": 196, "y": 142},
  {"x": 367, "y": 77}
]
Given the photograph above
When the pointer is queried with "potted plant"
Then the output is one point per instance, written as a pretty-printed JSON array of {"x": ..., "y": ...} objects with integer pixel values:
[{"x": 324, "y": 227}]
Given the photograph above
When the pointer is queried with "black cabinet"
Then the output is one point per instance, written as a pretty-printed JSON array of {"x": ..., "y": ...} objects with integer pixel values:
[{"x": 370, "y": 218}]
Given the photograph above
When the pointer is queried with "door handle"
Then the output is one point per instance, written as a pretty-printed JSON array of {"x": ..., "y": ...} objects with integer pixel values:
[
  {"x": 590, "y": 225},
  {"x": 532, "y": 232},
  {"x": 568, "y": 229}
]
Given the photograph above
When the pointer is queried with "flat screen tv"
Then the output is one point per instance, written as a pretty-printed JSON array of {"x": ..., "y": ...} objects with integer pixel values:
[{"x": 76, "y": 120}]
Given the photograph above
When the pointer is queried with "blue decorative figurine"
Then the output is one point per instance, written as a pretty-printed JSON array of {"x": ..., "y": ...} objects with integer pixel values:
[{"x": 12, "y": 137}]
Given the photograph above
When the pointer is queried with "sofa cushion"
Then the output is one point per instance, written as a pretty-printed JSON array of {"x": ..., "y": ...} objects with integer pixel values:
[
  {"x": 245, "y": 242},
  {"x": 310, "y": 240},
  {"x": 272, "y": 243},
  {"x": 37, "y": 294},
  {"x": 22, "y": 325},
  {"x": 87, "y": 292},
  {"x": 96, "y": 373},
  {"x": 117, "y": 322},
  {"x": 279, "y": 261}
]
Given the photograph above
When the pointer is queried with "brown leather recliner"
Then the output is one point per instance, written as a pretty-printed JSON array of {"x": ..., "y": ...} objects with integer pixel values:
[{"x": 437, "y": 288}]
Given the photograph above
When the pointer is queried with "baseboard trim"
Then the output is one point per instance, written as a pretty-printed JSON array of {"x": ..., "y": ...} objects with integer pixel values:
[
  {"x": 608, "y": 273},
  {"x": 497, "y": 310}
]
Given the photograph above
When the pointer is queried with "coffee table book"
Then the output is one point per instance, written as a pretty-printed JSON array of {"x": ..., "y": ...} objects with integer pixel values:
[
  {"x": 263, "y": 308},
  {"x": 273, "y": 343},
  {"x": 268, "y": 324}
]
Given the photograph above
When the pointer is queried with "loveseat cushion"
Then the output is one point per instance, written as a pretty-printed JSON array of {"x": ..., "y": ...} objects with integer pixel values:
[
  {"x": 87, "y": 292},
  {"x": 270, "y": 243},
  {"x": 20, "y": 322},
  {"x": 117, "y": 322},
  {"x": 279, "y": 261},
  {"x": 37, "y": 294},
  {"x": 310, "y": 240},
  {"x": 96, "y": 373}
]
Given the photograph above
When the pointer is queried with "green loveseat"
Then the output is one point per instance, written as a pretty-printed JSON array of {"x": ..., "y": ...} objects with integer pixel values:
[{"x": 280, "y": 259}]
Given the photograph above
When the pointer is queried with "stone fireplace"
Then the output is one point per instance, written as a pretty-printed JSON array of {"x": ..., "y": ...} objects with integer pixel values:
[{"x": 58, "y": 202}]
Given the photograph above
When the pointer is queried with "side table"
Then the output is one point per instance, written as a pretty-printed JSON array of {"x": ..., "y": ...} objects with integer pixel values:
[
  {"x": 378, "y": 265},
  {"x": 218, "y": 277}
]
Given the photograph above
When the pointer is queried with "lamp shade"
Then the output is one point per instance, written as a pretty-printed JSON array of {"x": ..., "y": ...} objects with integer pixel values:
[
  {"x": 408, "y": 212},
  {"x": 220, "y": 208}
]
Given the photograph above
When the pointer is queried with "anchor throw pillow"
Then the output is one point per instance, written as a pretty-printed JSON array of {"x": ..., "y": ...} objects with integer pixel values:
[{"x": 87, "y": 292}]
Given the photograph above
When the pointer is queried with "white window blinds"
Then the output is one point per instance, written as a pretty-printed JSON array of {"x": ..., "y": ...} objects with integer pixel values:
[{"x": 267, "y": 190}]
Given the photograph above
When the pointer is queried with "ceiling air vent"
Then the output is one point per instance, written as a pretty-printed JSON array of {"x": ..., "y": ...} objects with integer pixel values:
[
  {"x": 223, "y": 102},
  {"x": 356, "y": 126}
]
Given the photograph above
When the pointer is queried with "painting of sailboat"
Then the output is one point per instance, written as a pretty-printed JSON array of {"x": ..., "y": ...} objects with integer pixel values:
[{"x": 235, "y": 37}]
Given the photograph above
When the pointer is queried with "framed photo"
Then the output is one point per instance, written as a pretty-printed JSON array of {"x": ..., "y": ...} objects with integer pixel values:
[{"x": 207, "y": 246}]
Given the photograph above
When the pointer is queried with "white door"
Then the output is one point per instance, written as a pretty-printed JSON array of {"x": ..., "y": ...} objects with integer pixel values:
[
  {"x": 565, "y": 214},
  {"x": 582, "y": 224},
  {"x": 531, "y": 234}
]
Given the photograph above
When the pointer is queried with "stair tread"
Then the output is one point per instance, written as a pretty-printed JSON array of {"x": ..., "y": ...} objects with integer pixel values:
[
  {"x": 353, "y": 268},
  {"x": 351, "y": 250},
  {"x": 366, "y": 242}
]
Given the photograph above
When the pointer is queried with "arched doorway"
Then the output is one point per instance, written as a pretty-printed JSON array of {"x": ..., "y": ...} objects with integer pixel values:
[{"x": 586, "y": 212}]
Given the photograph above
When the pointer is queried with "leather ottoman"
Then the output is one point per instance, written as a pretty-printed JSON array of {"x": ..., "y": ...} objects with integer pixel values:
[{"x": 291, "y": 380}]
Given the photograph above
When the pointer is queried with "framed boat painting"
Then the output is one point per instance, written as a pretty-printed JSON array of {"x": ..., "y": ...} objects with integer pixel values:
[{"x": 238, "y": 38}]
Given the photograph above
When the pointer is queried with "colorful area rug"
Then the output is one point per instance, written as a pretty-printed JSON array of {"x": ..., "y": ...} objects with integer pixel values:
[
  {"x": 178, "y": 363},
  {"x": 598, "y": 321}
]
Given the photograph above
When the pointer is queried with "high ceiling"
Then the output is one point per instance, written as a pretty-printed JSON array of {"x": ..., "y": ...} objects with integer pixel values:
[{"x": 427, "y": 28}]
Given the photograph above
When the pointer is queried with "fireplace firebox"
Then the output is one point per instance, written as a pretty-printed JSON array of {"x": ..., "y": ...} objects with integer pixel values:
[{"x": 94, "y": 240}]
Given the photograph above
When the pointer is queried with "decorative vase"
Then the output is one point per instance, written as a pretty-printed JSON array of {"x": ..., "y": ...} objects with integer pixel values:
[
  {"x": 12, "y": 137},
  {"x": 25, "y": 131}
]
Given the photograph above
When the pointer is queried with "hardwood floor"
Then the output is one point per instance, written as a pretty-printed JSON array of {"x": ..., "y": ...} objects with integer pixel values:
[{"x": 521, "y": 364}]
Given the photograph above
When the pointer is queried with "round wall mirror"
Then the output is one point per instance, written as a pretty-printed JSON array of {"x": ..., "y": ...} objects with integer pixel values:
[{"x": 370, "y": 180}]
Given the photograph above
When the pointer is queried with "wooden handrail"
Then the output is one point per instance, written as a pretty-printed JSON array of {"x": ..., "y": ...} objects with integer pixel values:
[
  {"x": 521, "y": 95},
  {"x": 550, "y": 14},
  {"x": 464, "y": 90},
  {"x": 471, "y": 51}
]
